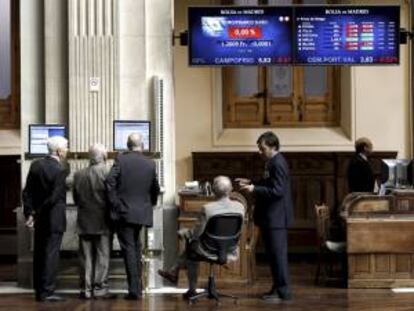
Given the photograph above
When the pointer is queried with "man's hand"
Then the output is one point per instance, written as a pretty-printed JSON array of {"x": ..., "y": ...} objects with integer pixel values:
[
  {"x": 29, "y": 222},
  {"x": 247, "y": 188},
  {"x": 242, "y": 181}
]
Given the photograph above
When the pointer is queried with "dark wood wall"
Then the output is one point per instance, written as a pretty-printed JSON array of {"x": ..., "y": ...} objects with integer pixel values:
[
  {"x": 10, "y": 189},
  {"x": 316, "y": 177}
]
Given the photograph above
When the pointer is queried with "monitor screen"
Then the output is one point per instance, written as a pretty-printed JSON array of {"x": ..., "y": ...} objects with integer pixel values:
[
  {"x": 122, "y": 129},
  {"x": 240, "y": 35},
  {"x": 354, "y": 35},
  {"x": 39, "y": 134},
  {"x": 388, "y": 172}
]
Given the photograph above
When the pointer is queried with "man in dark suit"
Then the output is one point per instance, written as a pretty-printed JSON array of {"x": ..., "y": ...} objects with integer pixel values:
[
  {"x": 273, "y": 213},
  {"x": 360, "y": 174},
  {"x": 93, "y": 226},
  {"x": 133, "y": 190},
  {"x": 44, "y": 200}
]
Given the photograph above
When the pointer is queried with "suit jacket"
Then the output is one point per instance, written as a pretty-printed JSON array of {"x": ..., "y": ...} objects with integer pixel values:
[
  {"x": 222, "y": 206},
  {"x": 133, "y": 188},
  {"x": 274, "y": 207},
  {"x": 44, "y": 196},
  {"x": 89, "y": 194},
  {"x": 360, "y": 175}
]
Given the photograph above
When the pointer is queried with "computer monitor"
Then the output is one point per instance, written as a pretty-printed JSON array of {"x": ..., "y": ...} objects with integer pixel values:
[
  {"x": 123, "y": 128},
  {"x": 388, "y": 171},
  {"x": 40, "y": 133},
  {"x": 402, "y": 173},
  {"x": 395, "y": 173}
]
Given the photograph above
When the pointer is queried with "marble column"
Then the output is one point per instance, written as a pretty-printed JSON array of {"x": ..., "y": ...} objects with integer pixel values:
[
  {"x": 93, "y": 72},
  {"x": 56, "y": 61}
]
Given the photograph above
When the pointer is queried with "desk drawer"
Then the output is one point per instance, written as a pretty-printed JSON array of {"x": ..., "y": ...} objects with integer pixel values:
[{"x": 193, "y": 206}]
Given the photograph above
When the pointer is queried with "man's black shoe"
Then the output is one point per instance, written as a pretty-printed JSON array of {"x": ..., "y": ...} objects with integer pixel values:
[
  {"x": 85, "y": 296},
  {"x": 285, "y": 297},
  {"x": 52, "y": 298},
  {"x": 132, "y": 297},
  {"x": 271, "y": 297},
  {"x": 106, "y": 296},
  {"x": 188, "y": 294},
  {"x": 173, "y": 278}
]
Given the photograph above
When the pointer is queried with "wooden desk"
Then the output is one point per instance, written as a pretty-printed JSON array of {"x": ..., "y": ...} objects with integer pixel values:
[
  {"x": 380, "y": 242},
  {"x": 240, "y": 271}
]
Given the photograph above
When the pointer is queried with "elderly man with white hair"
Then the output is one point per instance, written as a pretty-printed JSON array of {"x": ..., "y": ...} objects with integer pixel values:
[
  {"x": 133, "y": 190},
  {"x": 93, "y": 225},
  {"x": 221, "y": 188},
  {"x": 44, "y": 201}
]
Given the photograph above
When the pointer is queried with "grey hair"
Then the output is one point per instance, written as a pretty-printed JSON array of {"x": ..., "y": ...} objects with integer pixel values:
[
  {"x": 222, "y": 186},
  {"x": 134, "y": 142},
  {"x": 97, "y": 153},
  {"x": 55, "y": 143}
]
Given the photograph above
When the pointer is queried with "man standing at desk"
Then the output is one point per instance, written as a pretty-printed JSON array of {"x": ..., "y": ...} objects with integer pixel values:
[
  {"x": 93, "y": 227},
  {"x": 44, "y": 200},
  {"x": 360, "y": 174},
  {"x": 273, "y": 213},
  {"x": 133, "y": 190}
]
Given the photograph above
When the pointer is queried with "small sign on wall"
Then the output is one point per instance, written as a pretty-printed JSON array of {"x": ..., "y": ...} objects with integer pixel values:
[{"x": 94, "y": 84}]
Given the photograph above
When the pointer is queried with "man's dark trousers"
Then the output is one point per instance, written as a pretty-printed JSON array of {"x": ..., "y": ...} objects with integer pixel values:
[
  {"x": 276, "y": 246},
  {"x": 45, "y": 261},
  {"x": 129, "y": 240}
]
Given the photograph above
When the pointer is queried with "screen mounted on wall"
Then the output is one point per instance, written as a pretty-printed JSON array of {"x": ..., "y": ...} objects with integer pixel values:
[
  {"x": 355, "y": 35},
  {"x": 40, "y": 133},
  {"x": 240, "y": 35},
  {"x": 123, "y": 128}
]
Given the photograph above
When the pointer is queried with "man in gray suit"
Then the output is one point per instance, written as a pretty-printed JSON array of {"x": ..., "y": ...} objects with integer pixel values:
[
  {"x": 89, "y": 194},
  {"x": 223, "y": 205}
]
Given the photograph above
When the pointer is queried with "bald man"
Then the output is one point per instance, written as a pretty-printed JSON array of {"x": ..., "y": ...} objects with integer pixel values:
[
  {"x": 133, "y": 190},
  {"x": 222, "y": 205},
  {"x": 93, "y": 226}
]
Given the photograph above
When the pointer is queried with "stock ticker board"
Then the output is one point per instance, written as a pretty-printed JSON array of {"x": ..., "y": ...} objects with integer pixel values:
[{"x": 338, "y": 35}]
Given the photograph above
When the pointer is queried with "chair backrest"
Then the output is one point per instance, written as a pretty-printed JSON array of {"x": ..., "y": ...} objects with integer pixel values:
[
  {"x": 222, "y": 234},
  {"x": 322, "y": 223}
]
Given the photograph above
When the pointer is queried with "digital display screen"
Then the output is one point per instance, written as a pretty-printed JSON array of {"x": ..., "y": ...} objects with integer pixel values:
[
  {"x": 40, "y": 133},
  {"x": 122, "y": 129},
  {"x": 335, "y": 35},
  {"x": 240, "y": 35}
]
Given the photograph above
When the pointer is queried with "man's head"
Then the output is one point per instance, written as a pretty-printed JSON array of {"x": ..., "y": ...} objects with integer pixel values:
[
  {"x": 363, "y": 145},
  {"x": 97, "y": 153},
  {"x": 222, "y": 186},
  {"x": 57, "y": 146},
  {"x": 134, "y": 142},
  {"x": 268, "y": 144}
]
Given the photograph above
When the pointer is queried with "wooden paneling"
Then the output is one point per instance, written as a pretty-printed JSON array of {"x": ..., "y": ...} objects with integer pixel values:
[
  {"x": 372, "y": 235},
  {"x": 10, "y": 190},
  {"x": 380, "y": 270}
]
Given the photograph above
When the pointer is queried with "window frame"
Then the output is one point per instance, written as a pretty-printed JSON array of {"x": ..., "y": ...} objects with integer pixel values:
[{"x": 10, "y": 107}]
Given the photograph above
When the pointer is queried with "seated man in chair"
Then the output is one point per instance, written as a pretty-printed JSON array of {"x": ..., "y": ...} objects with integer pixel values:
[{"x": 223, "y": 205}]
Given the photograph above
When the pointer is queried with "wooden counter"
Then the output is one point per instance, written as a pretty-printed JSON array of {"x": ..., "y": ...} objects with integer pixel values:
[{"x": 380, "y": 241}]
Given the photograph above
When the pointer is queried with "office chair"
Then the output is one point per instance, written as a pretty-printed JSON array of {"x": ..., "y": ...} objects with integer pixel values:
[
  {"x": 327, "y": 248},
  {"x": 220, "y": 238}
]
